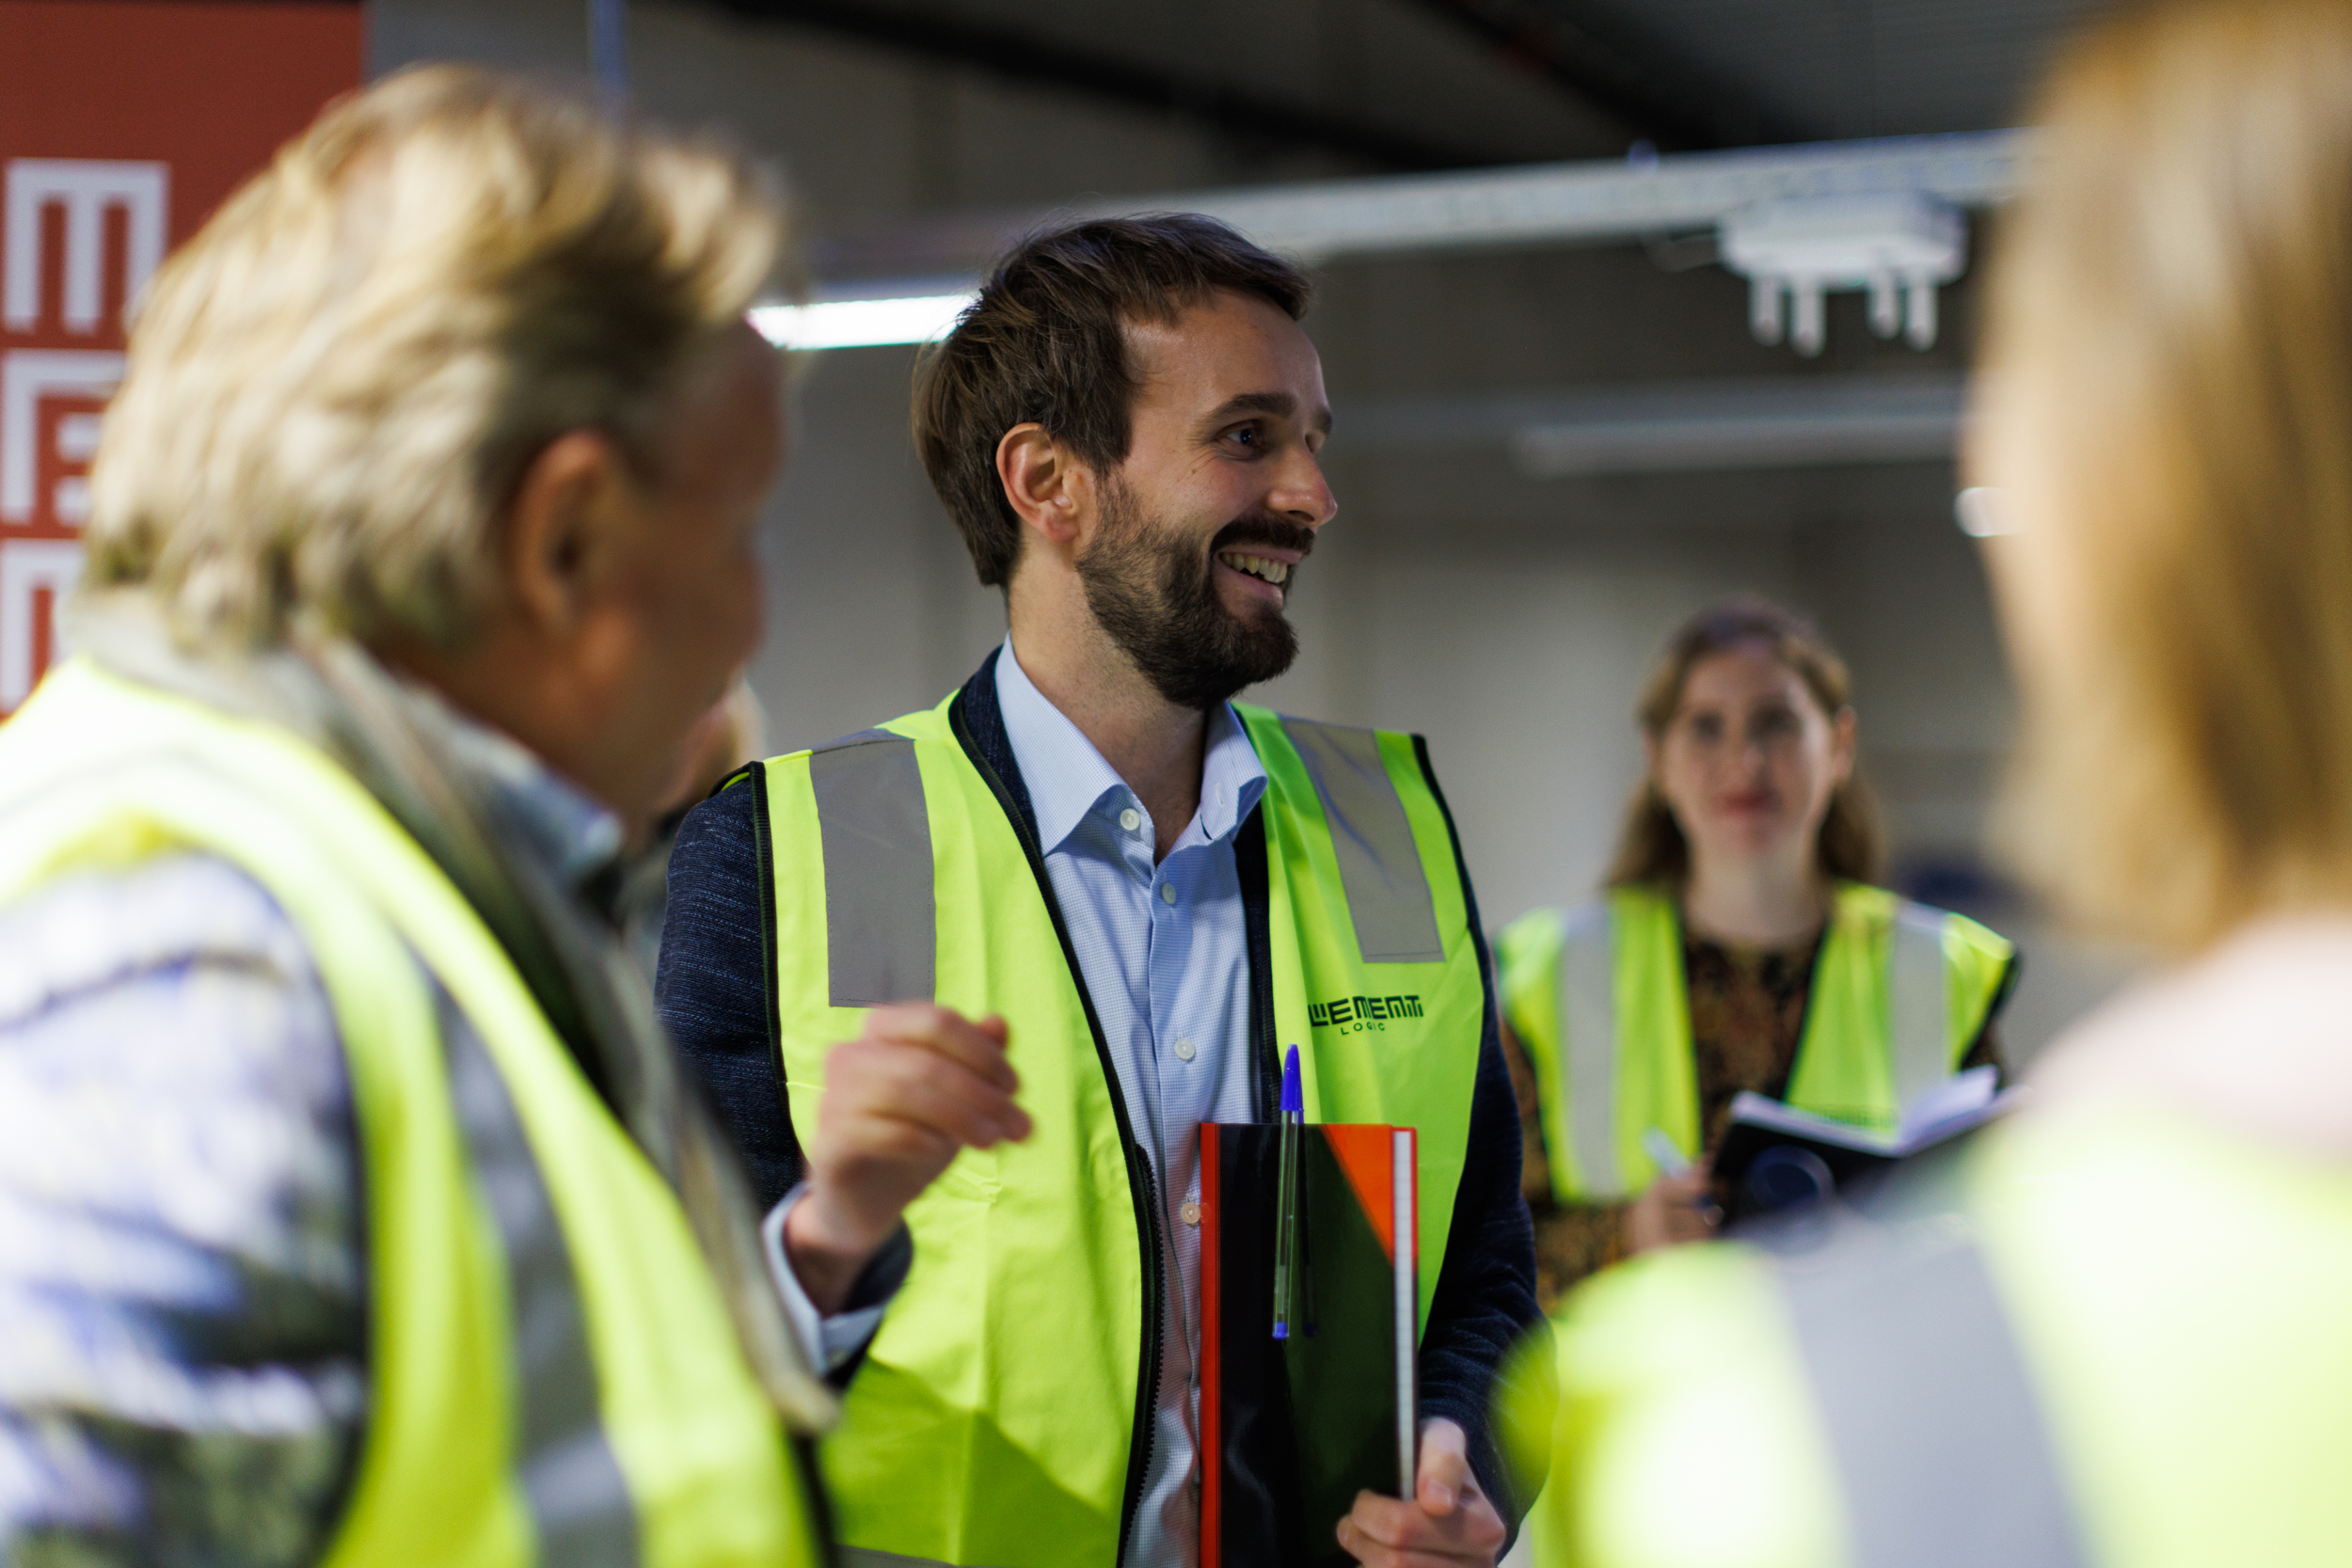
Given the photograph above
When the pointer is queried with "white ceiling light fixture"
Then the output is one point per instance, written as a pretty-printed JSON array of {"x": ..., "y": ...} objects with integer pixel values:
[
  {"x": 1983, "y": 512},
  {"x": 860, "y": 323},
  {"x": 1899, "y": 247}
]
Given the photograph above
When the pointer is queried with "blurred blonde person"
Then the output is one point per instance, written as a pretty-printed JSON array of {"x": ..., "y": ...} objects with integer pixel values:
[
  {"x": 2111, "y": 1330},
  {"x": 351, "y": 1203},
  {"x": 1739, "y": 946}
]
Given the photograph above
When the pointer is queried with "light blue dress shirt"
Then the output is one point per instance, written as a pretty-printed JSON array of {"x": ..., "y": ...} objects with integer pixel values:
[{"x": 1165, "y": 955}]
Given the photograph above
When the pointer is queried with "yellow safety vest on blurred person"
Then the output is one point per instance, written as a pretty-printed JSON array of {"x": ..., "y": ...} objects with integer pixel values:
[
  {"x": 1001, "y": 1414},
  {"x": 2028, "y": 1363},
  {"x": 1901, "y": 993},
  {"x": 626, "y": 1425}
]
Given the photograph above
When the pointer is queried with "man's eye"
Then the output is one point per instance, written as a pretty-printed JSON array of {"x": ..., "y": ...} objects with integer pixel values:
[{"x": 1247, "y": 435}]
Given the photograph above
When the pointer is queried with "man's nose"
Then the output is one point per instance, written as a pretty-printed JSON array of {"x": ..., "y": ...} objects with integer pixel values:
[{"x": 1301, "y": 492}]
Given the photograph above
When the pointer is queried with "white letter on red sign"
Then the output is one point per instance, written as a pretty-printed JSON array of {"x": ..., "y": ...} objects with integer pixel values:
[
  {"x": 86, "y": 188},
  {"x": 27, "y": 376},
  {"x": 27, "y": 567}
]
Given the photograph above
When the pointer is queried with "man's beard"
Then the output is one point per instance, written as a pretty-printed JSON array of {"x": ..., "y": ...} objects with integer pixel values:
[{"x": 1155, "y": 592}]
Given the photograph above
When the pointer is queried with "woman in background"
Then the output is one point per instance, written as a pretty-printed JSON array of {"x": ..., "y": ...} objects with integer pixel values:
[
  {"x": 1739, "y": 946},
  {"x": 2110, "y": 1330}
]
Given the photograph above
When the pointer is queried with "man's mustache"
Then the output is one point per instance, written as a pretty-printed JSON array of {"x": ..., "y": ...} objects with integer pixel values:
[{"x": 1265, "y": 528}]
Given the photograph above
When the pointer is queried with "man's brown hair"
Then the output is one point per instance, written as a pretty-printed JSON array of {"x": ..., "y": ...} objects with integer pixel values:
[{"x": 1046, "y": 342}]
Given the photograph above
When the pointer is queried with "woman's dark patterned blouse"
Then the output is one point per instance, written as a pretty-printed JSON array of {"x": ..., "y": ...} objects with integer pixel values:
[{"x": 1747, "y": 1016}]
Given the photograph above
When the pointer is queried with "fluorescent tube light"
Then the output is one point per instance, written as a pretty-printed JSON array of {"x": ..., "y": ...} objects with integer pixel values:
[{"x": 860, "y": 323}]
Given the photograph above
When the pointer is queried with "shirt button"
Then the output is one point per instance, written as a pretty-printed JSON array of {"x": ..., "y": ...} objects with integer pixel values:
[
  {"x": 1190, "y": 1210},
  {"x": 1185, "y": 1052},
  {"x": 1167, "y": 892},
  {"x": 1131, "y": 819}
]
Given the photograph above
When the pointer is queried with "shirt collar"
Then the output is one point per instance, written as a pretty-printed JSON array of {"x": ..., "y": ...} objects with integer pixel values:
[{"x": 1067, "y": 778}]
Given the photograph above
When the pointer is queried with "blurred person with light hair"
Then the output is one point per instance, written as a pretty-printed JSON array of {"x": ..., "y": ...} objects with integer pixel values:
[
  {"x": 1739, "y": 945},
  {"x": 352, "y": 1204},
  {"x": 2109, "y": 1330}
]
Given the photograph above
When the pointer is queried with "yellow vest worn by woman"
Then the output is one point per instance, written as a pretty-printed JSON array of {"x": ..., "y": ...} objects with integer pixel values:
[
  {"x": 1901, "y": 993},
  {"x": 626, "y": 1426},
  {"x": 1001, "y": 1415},
  {"x": 2110, "y": 1336}
]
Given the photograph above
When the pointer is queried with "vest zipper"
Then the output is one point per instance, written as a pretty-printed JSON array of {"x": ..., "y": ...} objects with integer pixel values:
[
  {"x": 1143, "y": 1190},
  {"x": 1251, "y": 859}
]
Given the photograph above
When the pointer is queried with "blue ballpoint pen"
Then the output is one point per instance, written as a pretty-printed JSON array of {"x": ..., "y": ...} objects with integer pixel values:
[{"x": 1293, "y": 1114}]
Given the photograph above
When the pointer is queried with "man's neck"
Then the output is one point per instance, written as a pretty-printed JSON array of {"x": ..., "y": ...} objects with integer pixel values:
[{"x": 1154, "y": 746}]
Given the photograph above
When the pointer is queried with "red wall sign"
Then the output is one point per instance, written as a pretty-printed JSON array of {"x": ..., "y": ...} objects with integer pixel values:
[{"x": 123, "y": 126}]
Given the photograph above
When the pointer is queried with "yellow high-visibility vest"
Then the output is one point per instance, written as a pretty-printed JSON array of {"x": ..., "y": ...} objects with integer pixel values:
[
  {"x": 2034, "y": 1363},
  {"x": 1597, "y": 996},
  {"x": 634, "y": 1430},
  {"x": 1001, "y": 1415}
]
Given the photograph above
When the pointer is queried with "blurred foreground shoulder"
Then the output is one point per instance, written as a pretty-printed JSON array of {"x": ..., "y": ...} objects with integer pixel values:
[
  {"x": 181, "y": 1281},
  {"x": 1684, "y": 1432}
]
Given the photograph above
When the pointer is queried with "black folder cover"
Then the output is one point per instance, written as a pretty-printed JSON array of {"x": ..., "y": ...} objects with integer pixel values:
[
  {"x": 1299, "y": 1426},
  {"x": 1773, "y": 1155}
]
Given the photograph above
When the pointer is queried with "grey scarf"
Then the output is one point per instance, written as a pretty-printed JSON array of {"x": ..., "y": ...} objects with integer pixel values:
[{"x": 331, "y": 692}]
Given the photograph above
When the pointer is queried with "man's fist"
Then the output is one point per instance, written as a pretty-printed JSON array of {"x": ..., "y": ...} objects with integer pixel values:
[
  {"x": 919, "y": 1085},
  {"x": 1447, "y": 1520}
]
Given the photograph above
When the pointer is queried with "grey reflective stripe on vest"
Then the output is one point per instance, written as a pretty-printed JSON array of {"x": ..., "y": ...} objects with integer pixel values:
[
  {"x": 578, "y": 1498},
  {"x": 882, "y": 933},
  {"x": 1387, "y": 893},
  {"x": 861, "y": 1557},
  {"x": 1931, "y": 1418},
  {"x": 1588, "y": 1047},
  {"x": 1918, "y": 1002}
]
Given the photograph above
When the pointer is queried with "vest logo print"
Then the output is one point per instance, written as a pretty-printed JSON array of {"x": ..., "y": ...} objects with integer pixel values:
[{"x": 1354, "y": 1015}]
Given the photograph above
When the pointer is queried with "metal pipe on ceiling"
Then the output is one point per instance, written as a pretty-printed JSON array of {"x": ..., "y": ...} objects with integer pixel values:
[{"x": 1547, "y": 204}]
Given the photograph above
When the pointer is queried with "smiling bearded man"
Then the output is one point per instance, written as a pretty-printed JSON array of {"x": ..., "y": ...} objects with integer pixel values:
[
  {"x": 1090, "y": 846},
  {"x": 1156, "y": 596}
]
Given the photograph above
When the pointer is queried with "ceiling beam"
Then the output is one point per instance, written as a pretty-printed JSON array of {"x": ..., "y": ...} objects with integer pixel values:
[
  {"x": 1035, "y": 60},
  {"x": 1663, "y": 100},
  {"x": 1681, "y": 427}
]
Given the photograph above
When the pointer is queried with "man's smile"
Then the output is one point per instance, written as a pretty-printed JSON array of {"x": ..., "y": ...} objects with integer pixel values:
[
  {"x": 1261, "y": 571},
  {"x": 1275, "y": 572}
]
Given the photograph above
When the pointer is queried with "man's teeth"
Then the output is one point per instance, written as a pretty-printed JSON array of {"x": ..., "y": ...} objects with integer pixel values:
[{"x": 1256, "y": 566}]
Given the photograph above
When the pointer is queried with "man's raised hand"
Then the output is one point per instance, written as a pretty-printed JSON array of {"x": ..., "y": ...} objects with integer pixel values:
[{"x": 919, "y": 1085}]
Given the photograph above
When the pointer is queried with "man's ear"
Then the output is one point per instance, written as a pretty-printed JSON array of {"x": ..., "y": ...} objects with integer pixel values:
[
  {"x": 558, "y": 537},
  {"x": 1045, "y": 490}
]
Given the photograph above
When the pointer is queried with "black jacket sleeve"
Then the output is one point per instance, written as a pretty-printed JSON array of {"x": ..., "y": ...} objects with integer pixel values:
[
  {"x": 711, "y": 986},
  {"x": 1484, "y": 1306}
]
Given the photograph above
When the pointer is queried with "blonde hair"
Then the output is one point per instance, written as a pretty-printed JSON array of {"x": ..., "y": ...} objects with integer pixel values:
[
  {"x": 1650, "y": 844},
  {"x": 334, "y": 387},
  {"x": 2180, "y": 274}
]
